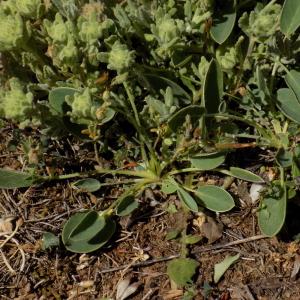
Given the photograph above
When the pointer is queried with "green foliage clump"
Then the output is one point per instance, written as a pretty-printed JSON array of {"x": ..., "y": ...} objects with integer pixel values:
[
  {"x": 82, "y": 107},
  {"x": 262, "y": 22},
  {"x": 29, "y": 8},
  {"x": 191, "y": 80},
  {"x": 12, "y": 32},
  {"x": 119, "y": 58},
  {"x": 17, "y": 104}
]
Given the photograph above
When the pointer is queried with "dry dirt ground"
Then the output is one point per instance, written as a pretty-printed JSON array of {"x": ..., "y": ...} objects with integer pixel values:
[{"x": 139, "y": 251}]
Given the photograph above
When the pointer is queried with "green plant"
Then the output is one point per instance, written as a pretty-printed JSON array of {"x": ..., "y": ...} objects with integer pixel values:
[{"x": 196, "y": 80}]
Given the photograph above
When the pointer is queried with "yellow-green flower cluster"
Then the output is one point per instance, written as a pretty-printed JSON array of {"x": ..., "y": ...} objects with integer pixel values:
[
  {"x": 83, "y": 108},
  {"x": 59, "y": 30},
  {"x": 227, "y": 58},
  {"x": 63, "y": 38},
  {"x": 16, "y": 104},
  {"x": 119, "y": 58},
  {"x": 167, "y": 29},
  {"x": 12, "y": 30},
  {"x": 91, "y": 29},
  {"x": 263, "y": 22},
  {"x": 29, "y": 8},
  {"x": 203, "y": 67}
]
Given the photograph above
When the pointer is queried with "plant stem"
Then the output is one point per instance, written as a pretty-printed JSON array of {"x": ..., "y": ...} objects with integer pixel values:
[
  {"x": 252, "y": 41},
  {"x": 138, "y": 123},
  {"x": 131, "y": 100},
  {"x": 146, "y": 175},
  {"x": 275, "y": 67},
  {"x": 139, "y": 187},
  {"x": 96, "y": 153},
  {"x": 184, "y": 250},
  {"x": 282, "y": 181},
  {"x": 266, "y": 135},
  {"x": 186, "y": 170}
]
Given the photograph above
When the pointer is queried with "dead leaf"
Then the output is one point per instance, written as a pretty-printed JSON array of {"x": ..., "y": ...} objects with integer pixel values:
[
  {"x": 211, "y": 230},
  {"x": 33, "y": 156},
  {"x": 173, "y": 294},
  {"x": 241, "y": 292},
  {"x": 296, "y": 267},
  {"x": 221, "y": 267},
  {"x": 86, "y": 284},
  {"x": 201, "y": 219},
  {"x": 255, "y": 191},
  {"x": 125, "y": 289},
  {"x": 6, "y": 224}
]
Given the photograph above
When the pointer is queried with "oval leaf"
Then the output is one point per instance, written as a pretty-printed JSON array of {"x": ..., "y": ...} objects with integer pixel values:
[
  {"x": 223, "y": 266},
  {"x": 86, "y": 232},
  {"x": 87, "y": 227},
  {"x": 168, "y": 187},
  {"x": 187, "y": 200},
  {"x": 284, "y": 158},
  {"x": 261, "y": 82},
  {"x": 126, "y": 206},
  {"x": 49, "y": 240},
  {"x": 208, "y": 161},
  {"x": 213, "y": 87},
  {"x": 182, "y": 270},
  {"x": 223, "y": 21},
  {"x": 109, "y": 114},
  {"x": 10, "y": 179},
  {"x": 191, "y": 239},
  {"x": 156, "y": 82},
  {"x": 57, "y": 99},
  {"x": 88, "y": 184},
  {"x": 177, "y": 120},
  {"x": 290, "y": 17},
  {"x": 271, "y": 216},
  {"x": 215, "y": 198},
  {"x": 243, "y": 174},
  {"x": 288, "y": 104},
  {"x": 292, "y": 79}
]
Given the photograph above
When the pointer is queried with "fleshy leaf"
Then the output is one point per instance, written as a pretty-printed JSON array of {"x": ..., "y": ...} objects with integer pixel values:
[
  {"x": 215, "y": 198},
  {"x": 187, "y": 200},
  {"x": 172, "y": 234},
  {"x": 213, "y": 87},
  {"x": 158, "y": 82},
  {"x": 168, "y": 187},
  {"x": 191, "y": 239},
  {"x": 177, "y": 120},
  {"x": 49, "y": 240},
  {"x": 243, "y": 174},
  {"x": 88, "y": 184},
  {"x": 284, "y": 158},
  {"x": 10, "y": 179},
  {"x": 261, "y": 82},
  {"x": 182, "y": 270},
  {"x": 87, "y": 231},
  {"x": 223, "y": 266},
  {"x": 290, "y": 17},
  {"x": 208, "y": 161},
  {"x": 126, "y": 206},
  {"x": 57, "y": 99},
  {"x": 289, "y": 104},
  {"x": 271, "y": 215},
  {"x": 223, "y": 21},
  {"x": 292, "y": 79}
]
